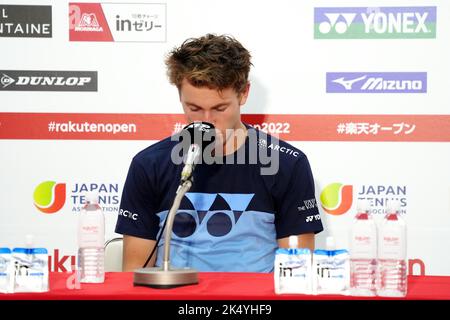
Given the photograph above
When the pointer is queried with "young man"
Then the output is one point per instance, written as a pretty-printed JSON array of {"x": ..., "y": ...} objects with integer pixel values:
[{"x": 235, "y": 215}]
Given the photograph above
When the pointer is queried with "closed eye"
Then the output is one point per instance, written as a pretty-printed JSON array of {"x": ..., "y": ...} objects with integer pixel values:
[{"x": 221, "y": 108}]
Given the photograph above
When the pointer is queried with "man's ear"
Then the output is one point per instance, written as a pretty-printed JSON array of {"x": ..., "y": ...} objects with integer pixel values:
[{"x": 244, "y": 95}]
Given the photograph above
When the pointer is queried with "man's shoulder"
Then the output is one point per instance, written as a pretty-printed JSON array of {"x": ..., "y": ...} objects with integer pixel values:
[
  {"x": 286, "y": 152},
  {"x": 156, "y": 152}
]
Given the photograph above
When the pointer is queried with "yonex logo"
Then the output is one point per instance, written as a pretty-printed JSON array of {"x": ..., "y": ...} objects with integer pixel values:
[
  {"x": 333, "y": 23},
  {"x": 375, "y": 23},
  {"x": 218, "y": 213}
]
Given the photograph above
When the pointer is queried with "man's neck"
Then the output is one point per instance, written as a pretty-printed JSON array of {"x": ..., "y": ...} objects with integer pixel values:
[{"x": 235, "y": 140}]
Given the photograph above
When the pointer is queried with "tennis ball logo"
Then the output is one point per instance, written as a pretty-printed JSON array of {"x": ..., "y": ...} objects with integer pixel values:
[
  {"x": 49, "y": 196},
  {"x": 337, "y": 198}
]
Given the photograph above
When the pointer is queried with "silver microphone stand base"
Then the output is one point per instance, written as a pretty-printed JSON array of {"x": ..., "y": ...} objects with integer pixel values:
[{"x": 161, "y": 279}]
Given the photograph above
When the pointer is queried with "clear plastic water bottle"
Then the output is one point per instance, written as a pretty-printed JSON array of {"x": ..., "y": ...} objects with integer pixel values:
[
  {"x": 392, "y": 269},
  {"x": 363, "y": 252},
  {"x": 91, "y": 239}
]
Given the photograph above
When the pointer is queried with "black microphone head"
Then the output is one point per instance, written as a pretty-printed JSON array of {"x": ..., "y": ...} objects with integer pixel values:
[{"x": 200, "y": 133}]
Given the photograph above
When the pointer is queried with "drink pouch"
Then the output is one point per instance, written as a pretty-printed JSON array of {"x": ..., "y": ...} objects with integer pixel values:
[
  {"x": 31, "y": 269},
  {"x": 6, "y": 271},
  {"x": 292, "y": 271},
  {"x": 331, "y": 272}
]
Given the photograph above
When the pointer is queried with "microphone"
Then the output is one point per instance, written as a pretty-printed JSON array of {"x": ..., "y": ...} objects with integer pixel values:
[
  {"x": 196, "y": 137},
  {"x": 191, "y": 159}
]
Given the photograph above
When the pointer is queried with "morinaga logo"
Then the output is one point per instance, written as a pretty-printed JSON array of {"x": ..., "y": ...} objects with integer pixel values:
[
  {"x": 119, "y": 22},
  {"x": 88, "y": 22},
  {"x": 376, "y": 82},
  {"x": 25, "y": 21},
  {"x": 375, "y": 23},
  {"x": 24, "y": 80}
]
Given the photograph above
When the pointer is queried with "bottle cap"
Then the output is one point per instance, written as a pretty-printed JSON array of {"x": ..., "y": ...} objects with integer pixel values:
[
  {"x": 363, "y": 205},
  {"x": 293, "y": 242},
  {"x": 91, "y": 197},
  {"x": 393, "y": 206},
  {"x": 29, "y": 241},
  {"x": 330, "y": 244}
]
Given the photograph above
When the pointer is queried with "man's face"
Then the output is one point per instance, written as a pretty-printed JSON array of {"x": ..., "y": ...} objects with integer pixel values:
[{"x": 222, "y": 109}]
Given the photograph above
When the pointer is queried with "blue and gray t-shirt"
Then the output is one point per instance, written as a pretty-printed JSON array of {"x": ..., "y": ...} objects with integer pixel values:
[{"x": 233, "y": 215}]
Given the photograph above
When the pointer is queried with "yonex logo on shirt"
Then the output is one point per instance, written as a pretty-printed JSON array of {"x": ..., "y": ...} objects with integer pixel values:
[{"x": 219, "y": 222}]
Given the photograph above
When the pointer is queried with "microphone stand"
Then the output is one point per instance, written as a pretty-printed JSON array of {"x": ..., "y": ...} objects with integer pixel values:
[{"x": 167, "y": 276}]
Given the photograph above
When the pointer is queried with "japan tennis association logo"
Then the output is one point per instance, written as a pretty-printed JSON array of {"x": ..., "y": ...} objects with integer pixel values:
[
  {"x": 337, "y": 198},
  {"x": 49, "y": 196}
]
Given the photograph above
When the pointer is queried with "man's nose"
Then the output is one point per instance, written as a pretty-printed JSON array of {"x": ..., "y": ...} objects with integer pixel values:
[{"x": 207, "y": 116}]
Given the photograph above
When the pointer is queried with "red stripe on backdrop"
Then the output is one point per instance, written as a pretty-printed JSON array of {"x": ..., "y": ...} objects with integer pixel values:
[{"x": 291, "y": 127}]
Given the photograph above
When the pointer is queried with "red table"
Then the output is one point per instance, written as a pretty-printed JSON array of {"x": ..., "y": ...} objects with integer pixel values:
[{"x": 212, "y": 286}]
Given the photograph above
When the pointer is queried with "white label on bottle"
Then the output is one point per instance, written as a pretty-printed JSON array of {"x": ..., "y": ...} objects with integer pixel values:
[
  {"x": 363, "y": 240},
  {"x": 91, "y": 230},
  {"x": 392, "y": 244}
]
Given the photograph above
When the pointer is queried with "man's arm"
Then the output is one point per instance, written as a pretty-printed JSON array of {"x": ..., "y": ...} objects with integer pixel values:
[
  {"x": 136, "y": 252},
  {"x": 305, "y": 240}
]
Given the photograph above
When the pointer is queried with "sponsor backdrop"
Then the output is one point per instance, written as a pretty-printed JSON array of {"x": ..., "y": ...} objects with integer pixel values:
[{"x": 360, "y": 86}]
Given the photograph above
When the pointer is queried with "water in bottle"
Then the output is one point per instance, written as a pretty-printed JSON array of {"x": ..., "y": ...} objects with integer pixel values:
[
  {"x": 91, "y": 239},
  {"x": 363, "y": 252},
  {"x": 392, "y": 270}
]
